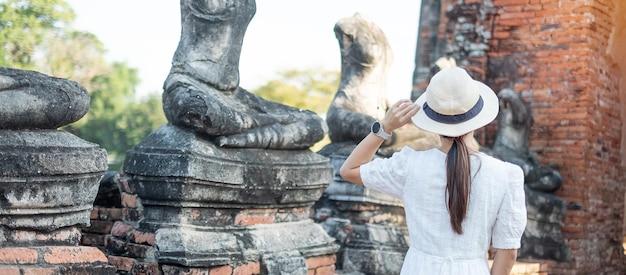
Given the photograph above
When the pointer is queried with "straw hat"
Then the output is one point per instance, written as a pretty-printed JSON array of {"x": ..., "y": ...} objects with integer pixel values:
[{"x": 455, "y": 104}]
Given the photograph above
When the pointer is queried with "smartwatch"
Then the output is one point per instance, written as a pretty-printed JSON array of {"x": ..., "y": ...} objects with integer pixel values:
[{"x": 377, "y": 129}]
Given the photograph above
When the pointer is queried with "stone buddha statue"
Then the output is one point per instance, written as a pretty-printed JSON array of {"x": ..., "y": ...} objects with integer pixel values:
[{"x": 202, "y": 90}]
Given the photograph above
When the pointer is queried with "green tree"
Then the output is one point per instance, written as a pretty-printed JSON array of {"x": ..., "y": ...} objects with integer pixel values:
[
  {"x": 24, "y": 25},
  {"x": 37, "y": 35},
  {"x": 310, "y": 89},
  {"x": 116, "y": 120},
  {"x": 74, "y": 55},
  {"x": 143, "y": 117}
]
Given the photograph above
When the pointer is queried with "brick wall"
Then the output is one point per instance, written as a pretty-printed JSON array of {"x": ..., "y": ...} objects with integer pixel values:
[
  {"x": 560, "y": 54},
  {"x": 77, "y": 260}
]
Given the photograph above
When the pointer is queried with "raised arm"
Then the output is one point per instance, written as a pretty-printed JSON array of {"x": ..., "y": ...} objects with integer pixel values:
[{"x": 397, "y": 116}]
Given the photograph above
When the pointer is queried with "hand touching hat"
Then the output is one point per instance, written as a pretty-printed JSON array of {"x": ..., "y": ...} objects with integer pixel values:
[{"x": 455, "y": 104}]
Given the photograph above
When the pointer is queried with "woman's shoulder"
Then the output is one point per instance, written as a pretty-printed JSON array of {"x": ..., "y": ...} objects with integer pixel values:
[
  {"x": 409, "y": 152},
  {"x": 416, "y": 157},
  {"x": 499, "y": 164},
  {"x": 500, "y": 175}
]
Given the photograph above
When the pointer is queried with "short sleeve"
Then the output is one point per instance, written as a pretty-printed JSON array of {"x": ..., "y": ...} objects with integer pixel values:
[
  {"x": 511, "y": 218},
  {"x": 387, "y": 175}
]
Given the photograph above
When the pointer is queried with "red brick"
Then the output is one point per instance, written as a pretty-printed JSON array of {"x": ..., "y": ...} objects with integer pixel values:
[
  {"x": 137, "y": 250},
  {"x": 17, "y": 255},
  {"x": 94, "y": 213},
  {"x": 513, "y": 22},
  {"x": 129, "y": 200},
  {"x": 248, "y": 269},
  {"x": 325, "y": 270},
  {"x": 501, "y": 35},
  {"x": 40, "y": 271},
  {"x": 70, "y": 254},
  {"x": 222, "y": 270},
  {"x": 115, "y": 244},
  {"x": 146, "y": 268},
  {"x": 142, "y": 237},
  {"x": 10, "y": 271},
  {"x": 122, "y": 263},
  {"x": 532, "y": 7},
  {"x": 121, "y": 229},
  {"x": 517, "y": 15},
  {"x": 92, "y": 239},
  {"x": 129, "y": 214},
  {"x": 114, "y": 214},
  {"x": 510, "y": 2},
  {"x": 315, "y": 262},
  {"x": 103, "y": 227},
  {"x": 124, "y": 185}
]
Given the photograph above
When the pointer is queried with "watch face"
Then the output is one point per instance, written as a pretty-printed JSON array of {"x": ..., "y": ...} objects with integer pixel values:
[{"x": 376, "y": 127}]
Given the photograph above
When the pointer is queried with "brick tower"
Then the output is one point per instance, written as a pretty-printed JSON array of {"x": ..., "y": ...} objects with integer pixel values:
[{"x": 567, "y": 59}]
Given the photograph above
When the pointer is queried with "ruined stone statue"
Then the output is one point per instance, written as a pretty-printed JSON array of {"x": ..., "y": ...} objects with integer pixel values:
[
  {"x": 362, "y": 96},
  {"x": 229, "y": 180},
  {"x": 202, "y": 90},
  {"x": 33, "y": 105},
  {"x": 369, "y": 226},
  {"x": 48, "y": 177},
  {"x": 512, "y": 142},
  {"x": 32, "y": 100}
]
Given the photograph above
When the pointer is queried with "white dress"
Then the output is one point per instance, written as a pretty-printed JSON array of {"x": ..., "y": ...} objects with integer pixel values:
[{"x": 496, "y": 213}]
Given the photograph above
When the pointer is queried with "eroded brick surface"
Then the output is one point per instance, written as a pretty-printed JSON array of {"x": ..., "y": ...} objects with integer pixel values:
[
  {"x": 142, "y": 237},
  {"x": 10, "y": 271},
  {"x": 121, "y": 229},
  {"x": 320, "y": 261},
  {"x": 17, "y": 255},
  {"x": 43, "y": 271},
  {"x": 248, "y": 269},
  {"x": 122, "y": 263},
  {"x": 68, "y": 255},
  {"x": 222, "y": 270}
]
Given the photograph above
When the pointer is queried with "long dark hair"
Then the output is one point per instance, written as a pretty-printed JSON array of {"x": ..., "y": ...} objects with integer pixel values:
[{"x": 458, "y": 182}]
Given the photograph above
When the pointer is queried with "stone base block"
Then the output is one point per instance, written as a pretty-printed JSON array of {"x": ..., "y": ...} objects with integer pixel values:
[
  {"x": 368, "y": 261},
  {"x": 177, "y": 167},
  {"x": 288, "y": 243},
  {"x": 368, "y": 248},
  {"x": 48, "y": 179},
  {"x": 542, "y": 238}
]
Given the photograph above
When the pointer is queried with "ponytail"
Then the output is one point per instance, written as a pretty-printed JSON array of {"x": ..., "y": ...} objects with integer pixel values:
[{"x": 458, "y": 182}]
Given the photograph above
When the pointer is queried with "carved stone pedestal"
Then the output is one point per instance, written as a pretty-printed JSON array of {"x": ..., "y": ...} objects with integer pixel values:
[
  {"x": 212, "y": 207},
  {"x": 542, "y": 238},
  {"x": 369, "y": 226},
  {"x": 48, "y": 182}
]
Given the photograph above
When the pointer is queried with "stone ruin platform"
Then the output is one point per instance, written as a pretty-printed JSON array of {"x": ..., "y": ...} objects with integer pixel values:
[{"x": 210, "y": 206}]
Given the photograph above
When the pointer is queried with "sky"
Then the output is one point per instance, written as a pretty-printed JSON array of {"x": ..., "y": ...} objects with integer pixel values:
[{"x": 283, "y": 35}]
